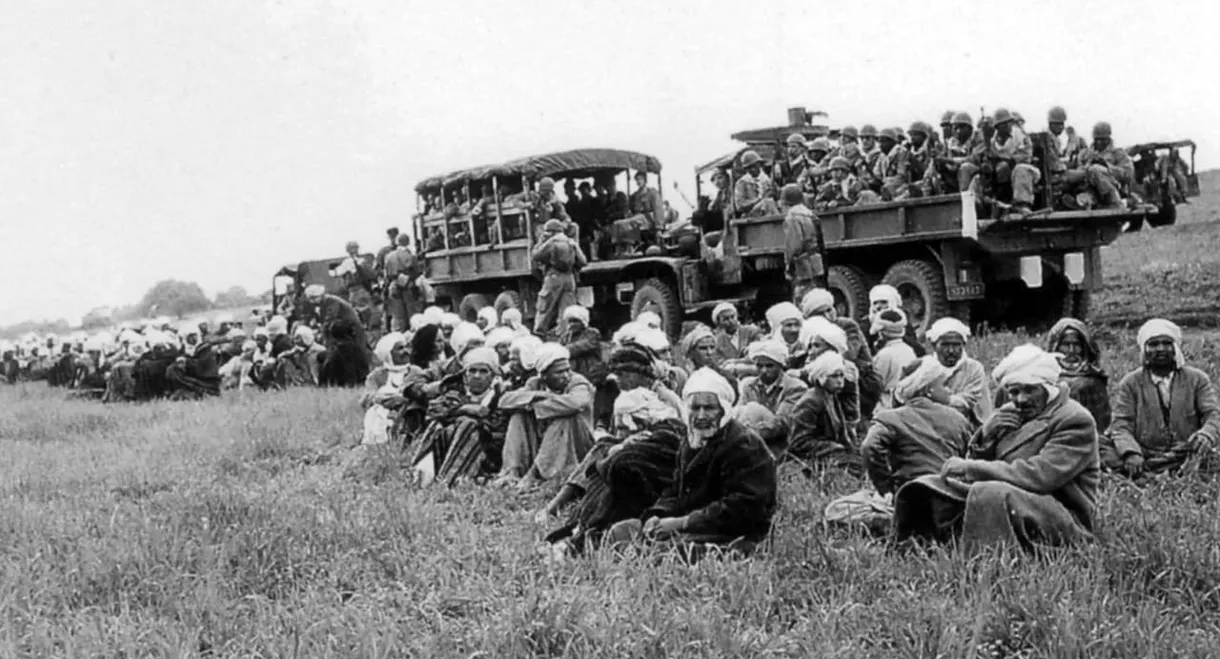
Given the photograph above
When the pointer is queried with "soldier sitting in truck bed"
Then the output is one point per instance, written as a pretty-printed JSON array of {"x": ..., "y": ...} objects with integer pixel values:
[
  {"x": 1103, "y": 169},
  {"x": 753, "y": 194}
]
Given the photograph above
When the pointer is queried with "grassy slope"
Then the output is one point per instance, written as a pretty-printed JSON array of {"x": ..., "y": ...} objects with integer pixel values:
[{"x": 243, "y": 527}]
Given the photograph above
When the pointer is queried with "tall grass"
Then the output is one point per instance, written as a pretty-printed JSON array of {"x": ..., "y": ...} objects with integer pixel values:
[{"x": 246, "y": 526}]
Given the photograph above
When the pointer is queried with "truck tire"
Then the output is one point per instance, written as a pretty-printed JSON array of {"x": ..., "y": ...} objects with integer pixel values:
[
  {"x": 660, "y": 296},
  {"x": 922, "y": 287},
  {"x": 850, "y": 289},
  {"x": 470, "y": 305},
  {"x": 1166, "y": 216},
  {"x": 509, "y": 300}
]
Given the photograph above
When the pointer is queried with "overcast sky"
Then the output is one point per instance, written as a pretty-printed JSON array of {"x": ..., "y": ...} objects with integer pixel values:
[{"x": 215, "y": 141}]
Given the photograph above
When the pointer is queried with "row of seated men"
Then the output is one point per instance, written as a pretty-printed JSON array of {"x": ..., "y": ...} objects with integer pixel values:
[
  {"x": 995, "y": 158},
  {"x": 679, "y": 445},
  {"x": 609, "y": 222}
]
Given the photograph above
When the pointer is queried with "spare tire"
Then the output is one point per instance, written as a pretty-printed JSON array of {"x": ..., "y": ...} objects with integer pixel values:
[
  {"x": 661, "y": 297},
  {"x": 470, "y": 305},
  {"x": 922, "y": 287},
  {"x": 850, "y": 289}
]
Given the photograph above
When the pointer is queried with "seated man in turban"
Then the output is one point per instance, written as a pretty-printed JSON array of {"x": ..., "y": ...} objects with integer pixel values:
[
  {"x": 464, "y": 436},
  {"x": 820, "y": 302},
  {"x": 1165, "y": 412},
  {"x": 967, "y": 382},
  {"x": 731, "y": 336},
  {"x": 894, "y": 354},
  {"x": 584, "y": 346},
  {"x": 884, "y": 297},
  {"x": 1080, "y": 358},
  {"x": 196, "y": 372},
  {"x": 774, "y": 389},
  {"x": 1030, "y": 475},
  {"x": 723, "y": 493},
  {"x": 821, "y": 432},
  {"x": 785, "y": 322},
  {"x": 698, "y": 350},
  {"x": 299, "y": 366},
  {"x": 551, "y": 427},
  {"x": 384, "y": 389}
]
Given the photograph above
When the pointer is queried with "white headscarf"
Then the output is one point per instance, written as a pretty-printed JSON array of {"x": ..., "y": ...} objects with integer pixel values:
[
  {"x": 277, "y": 325},
  {"x": 433, "y": 316},
  {"x": 653, "y": 339},
  {"x": 463, "y": 335},
  {"x": 416, "y": 322},
  {"x": 500, "y": 336},
  {"x": 511, "y": 318},
  {"x": 721, "y": 308},
  {"x": 1027, "y": 365},
  {"x": 577, "y": 312},
  {"x": 816, "y": 302},
  {"x": 527, "y": 350},
  {"x": 482, "y": 357},
  {"x": 640, "y": 405},
  {"x": 385, "y": 346},
  {"x": 779, "y": 314},
  {"x": 929, "y": 372},
  {"x": 549, "y": 354},
  {"x": 885, "y": 293},
  {"x": 826, "y": 365},
  {"x": 708, "y": 381},
  {"x": 628, "y": 332},
  {"x": 1161, "y": 327},
  {"x": 948, "y": 325},
  {"x": 450, "y": 320},
  {"x": 770, "y": 349},
  {"x": 315, "y": 290},
  {"x": 489, "y": 316},
  {"x": 818, "y": 327},
  {"x": 650, "y": 319},
  {"x": 305, "y": 333}
]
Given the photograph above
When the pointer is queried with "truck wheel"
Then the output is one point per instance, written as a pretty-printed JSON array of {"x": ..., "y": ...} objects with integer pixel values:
[
  {"x": 508, "y": 300},
  {"x": 922, "y": 288},
  {"x": 659, "y": 296},
  {"x": 470, "y": 305},
  {"x": 1166, "y": 216},
  {"x": 850, "y": 290}
]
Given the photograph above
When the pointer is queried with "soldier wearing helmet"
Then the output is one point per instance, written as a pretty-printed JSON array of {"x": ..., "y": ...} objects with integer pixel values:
[
  {"x": 871, "y": 153},
  {"x": 1067, "y": 144},
  {"x": 849, "y": 149},
  {"x": 921, "y": 154},
  {"x": 560, "y": 258},
  {"x": 818, "y": 169},
  {"x": 803, "y": 243},
  {"x": 892, "y": 169},
  {"x": 956, "y": 151},
  {"x": 1103, "y": 170},
  {"x": 946, "y": 125},
  {"x": 1004, "y": 161},
  {"x": 789, "y": 170},
  {"x": 753, "y": 192},
  {"x": 843, "y": 188}
]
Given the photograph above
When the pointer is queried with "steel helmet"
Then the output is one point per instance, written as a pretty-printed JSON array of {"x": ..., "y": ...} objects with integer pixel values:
[
  {"x": 839, "y": 162},
  {"x": 1101, "y": 129},
  {"x": 351, "y": 244},
  {"x": 868, "y": 130},
  {"x": 889, "y": 134},
  {"x": 898, "y": 134},
  {"x": 1001, "y": 116},
  {"x": 750, "y": 158},
  {"x": 796, "y": 138},
  {"x": 547, "y": 183},
  {"x": 962, "y": 118},
  {"x": 850, "y": 131},
  {"x": 946, "y": 119},
  {"x": 920, "y": 127},
  {"x": 1056, "y": 115},
  {"x": 820, "y": 144},
  {"x": 792, "y": 194}
]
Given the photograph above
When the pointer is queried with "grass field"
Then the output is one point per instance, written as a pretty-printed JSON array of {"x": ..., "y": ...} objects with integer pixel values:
[{"x": 245, "y": 527}]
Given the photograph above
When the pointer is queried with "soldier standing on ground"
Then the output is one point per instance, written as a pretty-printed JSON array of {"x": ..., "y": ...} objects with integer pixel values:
[
  {"x": 402, "y": 294},
  {"x": 804, "y": 249},
  {"x": 560, "y": 259}
]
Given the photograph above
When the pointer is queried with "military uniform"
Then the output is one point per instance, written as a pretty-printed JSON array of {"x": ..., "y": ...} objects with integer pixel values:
[
  {"x": 893, "y": 172},
  {"x": 560, "y": 258},
  {"x": 839, "y": 194},
  {"x": 1105, "y": 172}
]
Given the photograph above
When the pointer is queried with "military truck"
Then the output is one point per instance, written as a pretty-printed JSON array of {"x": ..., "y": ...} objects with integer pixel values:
[
  {"x": 289, "y": 283},
  {"x": 1160, "y": 172}
]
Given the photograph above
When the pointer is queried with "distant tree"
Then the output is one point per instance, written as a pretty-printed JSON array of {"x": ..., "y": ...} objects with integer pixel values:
[
  {"x": 175, "y": 298},
  {"x": 39, "y": 327},
  {"x": 235, "y": 296},
  {"x": 97, "y": 319}
]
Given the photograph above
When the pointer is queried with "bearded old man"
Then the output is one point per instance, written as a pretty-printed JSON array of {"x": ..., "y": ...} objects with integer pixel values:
[
  {"x": 551, "y": 427},
  {"x": 967, "y": 382},
  {"x": 1165, "y": 412},
  {"x": 1031, "y": 474},
  {"x": 724, "y": 490}
]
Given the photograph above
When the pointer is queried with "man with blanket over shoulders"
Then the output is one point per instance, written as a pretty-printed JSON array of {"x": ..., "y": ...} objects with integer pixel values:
[
  {"x": 724, "y": 489},
  {"x": 1165, "y": 412},
  {"x": 774, "y": 389},
  {"x": 551, "y": 427},
  {"x": 967, "y": 382},
  {"x": 1031, "y": 474}
]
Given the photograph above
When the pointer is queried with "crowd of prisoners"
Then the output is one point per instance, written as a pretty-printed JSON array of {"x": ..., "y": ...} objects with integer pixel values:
[{"x": 644, "y": 441}]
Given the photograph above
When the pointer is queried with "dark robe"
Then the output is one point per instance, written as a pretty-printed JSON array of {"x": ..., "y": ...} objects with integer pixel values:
[{"x": 198, "y": 376}]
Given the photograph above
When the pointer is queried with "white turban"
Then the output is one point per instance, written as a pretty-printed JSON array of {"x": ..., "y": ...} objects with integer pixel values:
[
  {"x": 463, "y": 335},
  {"x": 653, "y": 339},
  {"x": 450, "y": 319},
  {"x": 947, "y": 325},
  {"x": 94, "y": 344},
  {"x": 641, "y": 405},
  {"x": 482, "y": 357},
  {"x": 929, "y": 372},
  {"x": 628, "y": 332},
  {"x": 1161, "y": 327},
  {"x": 130, "y": 336},
  {"x": 1028, "y": 364},
  {"x": 708, "y": 381},
  {"x": 500, "y": 336},
  {"x": 224, "y": 318},
  {"x": 248, "y": 346},
  {"x": 721, "y": 308},
  {"x": 261, "y": 331},
  {"x": 305, "y": 333},
  {"x": 818, "y": 327},
  {"x": 885, "y": 293},
  {"x": 277, "y": 325},
  {"x": 826, "y": 365},
  {"x": 577, "y": 312},
  {"x": 161, "y": 339},
  {"x": 187, "y": 329},
  {"x": 511, "y": 317},
  {"x": 489, "y": 316},
  {"x": 778, "y": 314},
  {"x": 385, "y": 345},
  {"x": 433, "y": 316},
  {"x": 817, "y": 301},
  {"x": 416, "y": 322},
  {"x": 527, "y": 350},
  {"x": 315, "y": 290},
  {"x": 549, "y": 354},
  {"x": 650, "y": 319},
  {"x": 770, "y": 349}
]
